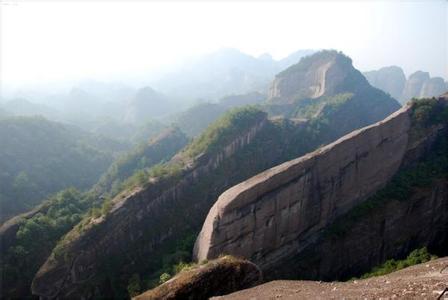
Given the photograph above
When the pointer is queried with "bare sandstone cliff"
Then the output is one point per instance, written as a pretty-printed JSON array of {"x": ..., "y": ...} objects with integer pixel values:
[
  {"x": 324, "y": 73},
  {"x": 275, "y": 215},
  {"x": 141, "y": 224}
]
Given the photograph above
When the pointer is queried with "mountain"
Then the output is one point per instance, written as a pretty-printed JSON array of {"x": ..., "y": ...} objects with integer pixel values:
[
  {"x": 253, "y": 98},
  {"x": 293, "y": 58},
  {"x": 223, "y": 72},
  {"x": 374, "y": 194},
  {"x": 141, "y": 221},
  {"x": 414, "y": 85},
  {"x": 39, "y": 157},
  {"x": 23, "y": 107},
  {"x": 195, "y": 120},
  {"x": 324, "y": 83},
  {"x": 433, "y": 87},
  {"x": 325, "y": 73},
  {"x": 418, "y": 85},
  {"x": 160, "y": 148},
  {"x": 389, "y": 79},
  {"x": 147, "y": 104},
  {"x": 38, "y": 230}
]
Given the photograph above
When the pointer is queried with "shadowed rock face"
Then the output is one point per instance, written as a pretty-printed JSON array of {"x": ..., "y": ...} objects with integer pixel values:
[
  {"x": 275, "y": 215},
  {"x": 388, "y": 231},
  {"x": 321, "y": 74},
  {"x": 219, "y": 277}
]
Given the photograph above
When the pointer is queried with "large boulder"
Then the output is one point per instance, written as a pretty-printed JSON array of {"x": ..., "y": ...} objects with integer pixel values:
[{"x": 218, "y": 277}]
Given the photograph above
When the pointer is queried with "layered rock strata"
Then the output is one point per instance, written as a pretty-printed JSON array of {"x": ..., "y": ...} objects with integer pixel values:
[{"x": 275, "y": 215}]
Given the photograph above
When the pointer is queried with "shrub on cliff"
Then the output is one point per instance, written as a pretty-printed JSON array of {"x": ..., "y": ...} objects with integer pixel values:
[
  {"x": 417, "y": 256},
  {"x": 227, "y": 127}
]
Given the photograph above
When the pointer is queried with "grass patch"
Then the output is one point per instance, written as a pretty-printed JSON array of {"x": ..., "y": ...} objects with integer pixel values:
[{"x": 417, "y": 256}]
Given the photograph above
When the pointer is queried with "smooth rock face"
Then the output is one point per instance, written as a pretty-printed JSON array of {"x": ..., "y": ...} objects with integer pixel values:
[
  {"x": 323, "y": 73},
  {"x": 414, "y": 85},
  {"x": 219, "y": 277},
  {"x": 433, "y": 87},
  {"x": 273, "y": 217},
  {"x": 388, "y": 231},
  {"x": 389, "y": 79},
  {"x": 275, "y": 213}
]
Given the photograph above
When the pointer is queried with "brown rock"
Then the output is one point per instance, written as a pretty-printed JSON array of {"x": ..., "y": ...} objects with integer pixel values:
[{"x": 219, "y": 277}]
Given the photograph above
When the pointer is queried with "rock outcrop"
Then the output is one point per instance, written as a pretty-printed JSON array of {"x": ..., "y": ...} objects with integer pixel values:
[
  {"x": 141, "y": 223},
  {"x": 272, "y": 217},
  {"x": 321, "y": 74},
  {"x": 393, "y": 81},
  {"x": 219, "y": 277},
  {"x": 414, "y": 86},
  {"x": 389, "y": 79},
  {"x": 390, "y": 230},
  {"x": 433, "y": 87},
  {"x": 143, "y": 226}
]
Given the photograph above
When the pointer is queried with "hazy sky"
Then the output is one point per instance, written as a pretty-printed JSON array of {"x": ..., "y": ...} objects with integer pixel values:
[{"x": 62, "y": 40}]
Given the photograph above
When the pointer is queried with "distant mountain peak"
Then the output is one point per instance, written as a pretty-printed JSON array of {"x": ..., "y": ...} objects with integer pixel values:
[{"x": 326, "y": 72}]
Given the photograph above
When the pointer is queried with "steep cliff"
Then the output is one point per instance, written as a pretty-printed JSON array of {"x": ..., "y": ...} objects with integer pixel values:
[
  {"x": 321, "y": 74},
  {"x": 322, "y": 82},
  {"x": 414, "y": 85},
  {"x": 273, "y": 217},
  {"x": 142, "y": 224},
  {"x": 433, "y": 87},
  {"x": 389, "y": 79},
  {"x": 155, "y": 224}
]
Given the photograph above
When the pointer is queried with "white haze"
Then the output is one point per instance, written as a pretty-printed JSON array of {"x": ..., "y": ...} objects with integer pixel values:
[{"x": 60, "y": 42}]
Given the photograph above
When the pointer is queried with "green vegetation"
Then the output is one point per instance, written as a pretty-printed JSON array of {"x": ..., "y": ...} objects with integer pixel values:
[
  {"x": 306, "y": 62},
  {"x": 38, "y": 235},
  {"x": 310, "y": 108},
  {"x": 401, "y": 187},
  {"x": 197, "y": 118},
  {"x": 224, "y": 129},
  {"x": 39, "y": 158},
  {"x": 417, "y": 256},
  {"x": 133, "y": 168},
  {"x": 426, "y": 113}
]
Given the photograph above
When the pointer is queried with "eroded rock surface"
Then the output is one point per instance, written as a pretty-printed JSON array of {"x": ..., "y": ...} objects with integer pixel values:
[{"x": 275, "y": 215}]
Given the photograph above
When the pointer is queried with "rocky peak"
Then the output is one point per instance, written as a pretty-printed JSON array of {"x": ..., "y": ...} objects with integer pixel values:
[
  {"x": 433, "y": 87},
  {"x": 324, "y": 73},
  {"x": 389, "y": 79},
  {"x": 414, "y": 85}
]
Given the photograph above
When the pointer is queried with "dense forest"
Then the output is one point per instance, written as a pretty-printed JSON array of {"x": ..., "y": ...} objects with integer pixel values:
[{"x": 39, "y": 157}]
